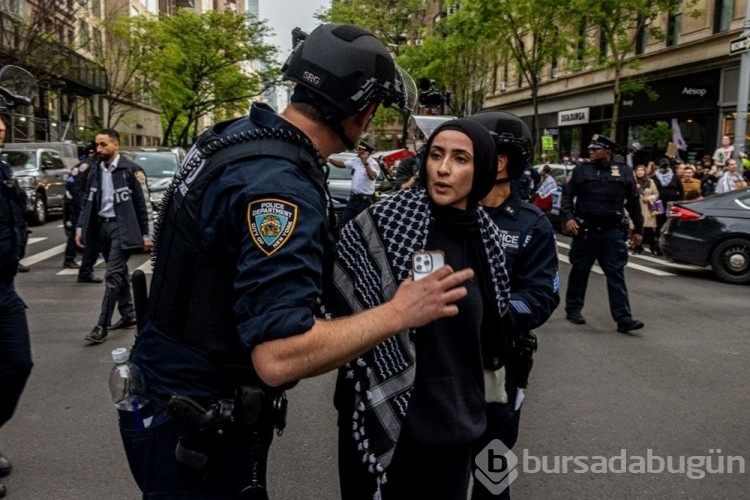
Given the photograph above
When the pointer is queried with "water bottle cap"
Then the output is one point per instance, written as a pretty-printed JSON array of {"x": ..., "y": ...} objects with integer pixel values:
[{"x": 120, "y": 355}]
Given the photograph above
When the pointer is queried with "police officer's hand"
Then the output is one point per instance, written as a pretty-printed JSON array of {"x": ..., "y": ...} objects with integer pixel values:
[
  {"x": 434, "y": 297},
  {"x": 636, "y": 240},
  {"x": 571, "y": 227},
  {"x": 79, "y": 241},
  {"x": 147, "y": 245}
]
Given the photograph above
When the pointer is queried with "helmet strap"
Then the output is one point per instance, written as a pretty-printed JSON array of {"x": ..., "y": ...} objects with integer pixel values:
[{"x": 339, "y": 131}]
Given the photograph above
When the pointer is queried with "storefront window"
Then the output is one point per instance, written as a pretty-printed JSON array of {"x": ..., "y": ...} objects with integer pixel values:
[{"x": 728, "y": 128}]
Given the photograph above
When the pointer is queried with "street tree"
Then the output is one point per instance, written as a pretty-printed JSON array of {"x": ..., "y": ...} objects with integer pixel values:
[
  {"x": 608, "y": 32},
  {"x": 205, "y": 65},
  {"x": 530, "y": 36}
]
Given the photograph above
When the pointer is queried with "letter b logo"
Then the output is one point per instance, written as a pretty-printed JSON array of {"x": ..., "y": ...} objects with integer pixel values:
[{"x": 496, "y": 467}]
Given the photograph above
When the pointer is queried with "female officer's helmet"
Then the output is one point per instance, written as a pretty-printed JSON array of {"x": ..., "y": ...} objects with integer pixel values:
[
  {"x": 342, "y": 68},
  {"x": 512, "y": 138}
]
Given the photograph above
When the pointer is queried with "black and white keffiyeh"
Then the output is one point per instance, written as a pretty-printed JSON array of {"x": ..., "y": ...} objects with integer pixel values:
[{"x": 374, "y": 257}]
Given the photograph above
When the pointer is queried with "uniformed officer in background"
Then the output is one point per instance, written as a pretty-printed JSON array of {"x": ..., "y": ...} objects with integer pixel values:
[
  {"x": 364, "y": 170},
  {"x": 592, "y": 209},
  {"x": 243, "y": 260},
  {"x": 531, "y": 260}
]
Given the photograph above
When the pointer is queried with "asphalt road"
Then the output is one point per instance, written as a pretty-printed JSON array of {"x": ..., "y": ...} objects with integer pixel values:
[{"x": 678, "y": 388}]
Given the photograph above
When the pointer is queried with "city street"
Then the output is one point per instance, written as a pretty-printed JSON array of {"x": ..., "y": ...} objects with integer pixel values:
[{"x": 678, "y": 388}]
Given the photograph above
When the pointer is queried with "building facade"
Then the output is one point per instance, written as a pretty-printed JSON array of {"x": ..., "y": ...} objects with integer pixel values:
[{"x": 691, "y": 73}]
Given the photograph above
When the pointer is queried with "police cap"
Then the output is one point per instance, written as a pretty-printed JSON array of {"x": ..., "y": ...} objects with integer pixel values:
[
  {"x": 599, "y": 141},
  {"x": 365, "y": 146}
]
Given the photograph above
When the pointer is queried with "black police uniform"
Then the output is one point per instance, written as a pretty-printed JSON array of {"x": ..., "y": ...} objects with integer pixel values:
[
  {"x": 596, "y": 196},
  {"x": 15, "y": 348},
  {"x": 253, "y": 237},
  {"x": 531, "y": 260}
]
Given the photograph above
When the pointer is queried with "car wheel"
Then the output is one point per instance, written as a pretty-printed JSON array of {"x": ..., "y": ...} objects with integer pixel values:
[
  {"x": 731, "y": 260},
  {"x": 39, "y": 216}
]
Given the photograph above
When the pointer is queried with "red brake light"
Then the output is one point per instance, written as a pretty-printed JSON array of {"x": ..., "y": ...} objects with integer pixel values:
[{"x": 682, "y": 213}]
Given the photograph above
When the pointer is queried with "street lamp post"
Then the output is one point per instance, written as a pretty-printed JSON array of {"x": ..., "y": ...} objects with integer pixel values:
[{"x": 743, "y": 89}]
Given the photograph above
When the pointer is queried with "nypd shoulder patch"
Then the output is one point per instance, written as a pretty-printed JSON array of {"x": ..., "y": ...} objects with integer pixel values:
[{"x": 271, "y": 223}]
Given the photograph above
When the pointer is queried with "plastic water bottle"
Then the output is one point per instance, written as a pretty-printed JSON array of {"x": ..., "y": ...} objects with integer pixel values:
[{"x": 128, "y": 392}]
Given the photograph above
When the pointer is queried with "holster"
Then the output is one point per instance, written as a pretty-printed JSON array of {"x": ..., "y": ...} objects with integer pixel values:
[{"x": 521, "y": 358}]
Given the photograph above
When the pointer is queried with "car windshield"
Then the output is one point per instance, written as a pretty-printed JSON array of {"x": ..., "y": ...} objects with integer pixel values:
[
  {"x": 19, "y": 159},
  {"x": 155, "y": 164}
]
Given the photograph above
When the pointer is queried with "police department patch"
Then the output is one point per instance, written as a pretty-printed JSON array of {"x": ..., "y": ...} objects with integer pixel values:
[
  {"x": 271, "y": 223},
  {"x": 140, "y": 176}
]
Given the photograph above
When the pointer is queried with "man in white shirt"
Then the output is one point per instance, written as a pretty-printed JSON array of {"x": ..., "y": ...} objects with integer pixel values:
[
  {"x": 730, "y": 180},
  {"x": 364, "y": 171}
]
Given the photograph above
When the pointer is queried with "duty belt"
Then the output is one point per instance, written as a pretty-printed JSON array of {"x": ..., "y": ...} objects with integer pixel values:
[{"x": 365, "y": 198}]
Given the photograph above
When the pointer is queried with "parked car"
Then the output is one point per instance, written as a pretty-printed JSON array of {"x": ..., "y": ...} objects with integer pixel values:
[
  {"x": 160, "y": 165},
  {"x": 340, "y": 183},
  {"x": 561, "y": 173},
  {"x": 711, "y": 231},
  {"x": 41, "y": 173}
]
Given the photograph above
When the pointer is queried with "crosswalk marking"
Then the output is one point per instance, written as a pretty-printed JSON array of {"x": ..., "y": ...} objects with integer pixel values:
[
  {"x": 145, "y": 265},
  {"x": 46, "y": 254}
]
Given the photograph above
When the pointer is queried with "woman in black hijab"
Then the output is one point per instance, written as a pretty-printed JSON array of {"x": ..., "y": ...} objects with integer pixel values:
[{"x": 393, "y": 411}]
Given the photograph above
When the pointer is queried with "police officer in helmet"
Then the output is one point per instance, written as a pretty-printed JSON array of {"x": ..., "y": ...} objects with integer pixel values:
[
  {"x": 243, "y": 255},
  {"x": 592, "y": 208},
  {"x": 531, "y": 260}
]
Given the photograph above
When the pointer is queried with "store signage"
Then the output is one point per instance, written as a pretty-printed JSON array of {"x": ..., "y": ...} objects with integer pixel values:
[
  {"x": 739, "y": 45},
  {"x": 573, "y": 117},
  {"x": 693, "y": 91}
]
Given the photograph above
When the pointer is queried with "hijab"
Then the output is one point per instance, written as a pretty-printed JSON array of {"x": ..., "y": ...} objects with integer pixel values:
[{"x": 485, "y": 157}]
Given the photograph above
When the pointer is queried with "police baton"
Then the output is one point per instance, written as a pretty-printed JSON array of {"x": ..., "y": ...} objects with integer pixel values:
[{"x": 140, "y": 296}]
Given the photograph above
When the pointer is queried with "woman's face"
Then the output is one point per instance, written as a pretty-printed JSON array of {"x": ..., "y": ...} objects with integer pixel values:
[
  {"x": 450, "y": 169},
  {"x": 640, "y": 171}
]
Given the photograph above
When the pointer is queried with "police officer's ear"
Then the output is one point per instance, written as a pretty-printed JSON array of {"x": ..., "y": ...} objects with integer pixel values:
[{"x": 502, "y": 166}]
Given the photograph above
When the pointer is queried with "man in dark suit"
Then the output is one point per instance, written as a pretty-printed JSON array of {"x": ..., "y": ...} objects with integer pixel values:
[{"x": 115, "y": 214}]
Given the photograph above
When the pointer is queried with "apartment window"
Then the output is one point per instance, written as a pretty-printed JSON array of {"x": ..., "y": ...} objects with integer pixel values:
[
  {"x": 641, "y": 42},
  {"x": 83, "y": 33},
  {"x": 581, "y": 48},
  {"x": 723, "y": 15},
  {"x": 553, "y": 68},
  {"x": 674, "y": 24},
  {"x": 603, "y": 47},
  {"x": 96, "y": 8}
]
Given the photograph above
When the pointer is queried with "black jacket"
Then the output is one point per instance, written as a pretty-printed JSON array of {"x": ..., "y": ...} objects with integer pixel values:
[{"x": 129, "y": 182}]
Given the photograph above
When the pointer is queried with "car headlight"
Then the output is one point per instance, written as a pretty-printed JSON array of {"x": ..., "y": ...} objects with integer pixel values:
[{"x": 26, "y": 181}]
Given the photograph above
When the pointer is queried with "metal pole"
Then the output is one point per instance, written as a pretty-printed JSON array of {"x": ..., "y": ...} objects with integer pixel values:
[{"x": 743, "y": 89}]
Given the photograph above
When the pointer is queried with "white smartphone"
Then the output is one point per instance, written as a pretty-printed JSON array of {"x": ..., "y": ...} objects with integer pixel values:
[{"x": 425, "y": 262}]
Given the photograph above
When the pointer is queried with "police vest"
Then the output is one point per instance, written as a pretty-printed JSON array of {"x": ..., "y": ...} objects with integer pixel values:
[
  {"x": 601, "y": 191},
  {"x": 195, "y": 305},
  {"x": 12, "y": 225}
]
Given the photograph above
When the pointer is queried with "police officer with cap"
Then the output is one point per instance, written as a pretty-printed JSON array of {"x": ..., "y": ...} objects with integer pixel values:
[
  {"x": 531, "y": 260},
  {"x": 592, "y": 213},
  {"x": 364, "y": 170},
  {"x": 243, "y": 263}
]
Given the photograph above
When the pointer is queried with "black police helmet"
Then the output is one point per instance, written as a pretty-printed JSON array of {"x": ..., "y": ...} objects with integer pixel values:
[
  {"x": 341, "y": 68},
  {"x": 512, "y": 139}
]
